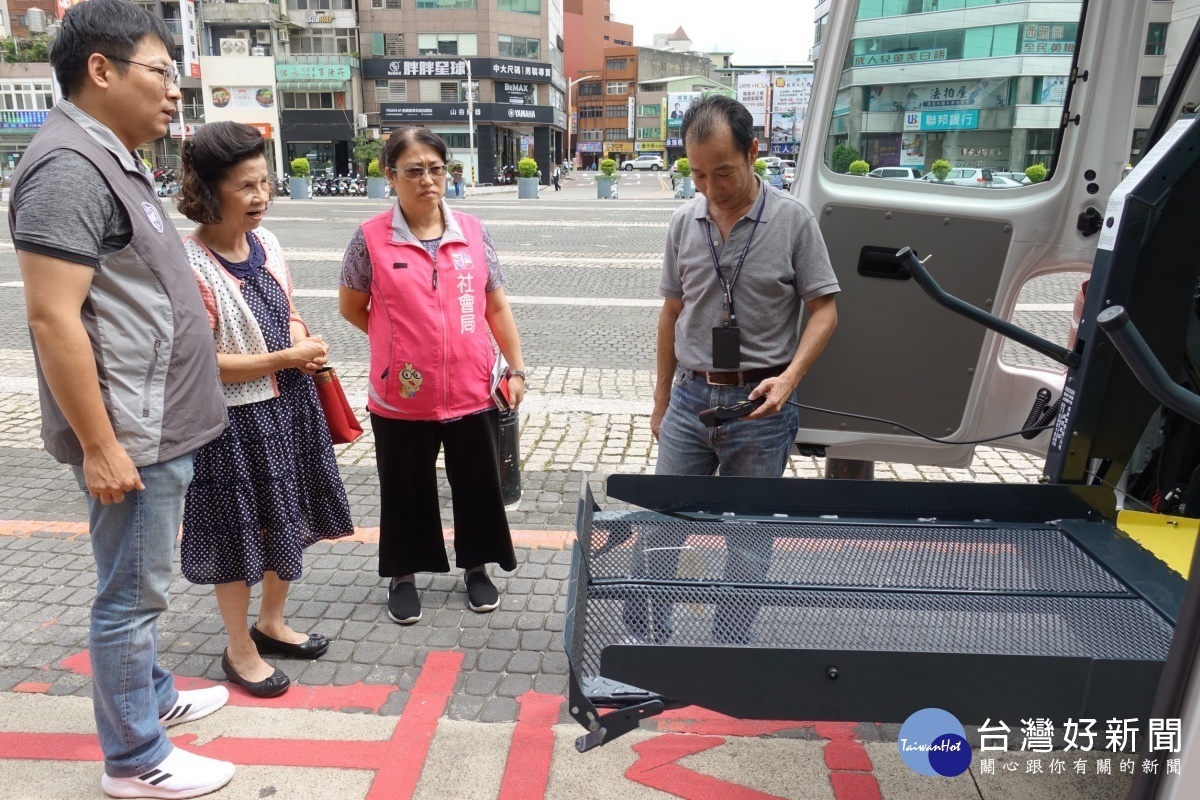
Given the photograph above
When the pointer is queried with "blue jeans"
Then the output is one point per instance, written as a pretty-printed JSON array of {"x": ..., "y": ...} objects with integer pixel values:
[
  {"x": 133, "y": 542},
  {"x": 750, "y": 449}
]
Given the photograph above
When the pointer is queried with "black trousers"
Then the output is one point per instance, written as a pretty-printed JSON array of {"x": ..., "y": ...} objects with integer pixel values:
[{"x": 410, "y": 519}]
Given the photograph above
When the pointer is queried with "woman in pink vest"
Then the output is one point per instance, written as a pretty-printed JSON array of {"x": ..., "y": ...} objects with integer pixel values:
[{"x": 423, "y": 282}]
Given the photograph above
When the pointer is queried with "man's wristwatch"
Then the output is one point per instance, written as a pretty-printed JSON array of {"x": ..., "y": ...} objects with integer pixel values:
[{"x": 518, "y": 373}]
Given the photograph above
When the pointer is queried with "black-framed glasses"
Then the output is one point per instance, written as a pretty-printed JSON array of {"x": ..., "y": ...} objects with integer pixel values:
[
  {"x": 417, "y": 173},
  {"x": 170, "y": 75}
]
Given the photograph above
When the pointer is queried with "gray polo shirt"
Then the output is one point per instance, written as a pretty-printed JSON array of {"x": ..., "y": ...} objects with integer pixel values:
[{"x": 787, "y": 264}]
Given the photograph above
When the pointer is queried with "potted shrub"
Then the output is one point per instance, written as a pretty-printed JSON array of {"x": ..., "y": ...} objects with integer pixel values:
[
  {"x": 684, "y": 168},
  {"x": 607, "y": 178},
  {"x": 376, "y": 182},
  {"x": 298, "y": 183},
  {"x": 760, "y": 168},
  {"x": 1036, "y": 173},
  {"x": 527, "y": 182},
  {"x": 940, "y": 169},
  {"x": 859, "y": 168}
]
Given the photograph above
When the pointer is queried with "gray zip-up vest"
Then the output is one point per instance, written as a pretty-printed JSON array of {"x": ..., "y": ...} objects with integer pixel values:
[{"x": 154, "y": 349}]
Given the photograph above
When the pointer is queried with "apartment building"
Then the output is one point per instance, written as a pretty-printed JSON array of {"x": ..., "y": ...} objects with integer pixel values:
[{"x": 433, "y": 62}]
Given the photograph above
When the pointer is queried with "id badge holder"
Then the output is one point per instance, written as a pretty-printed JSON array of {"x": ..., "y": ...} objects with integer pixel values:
[{"x": 727, "y": 348}]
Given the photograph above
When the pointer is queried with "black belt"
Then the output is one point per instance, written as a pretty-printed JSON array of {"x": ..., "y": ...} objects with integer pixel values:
[{"x": 741, "y": 377}]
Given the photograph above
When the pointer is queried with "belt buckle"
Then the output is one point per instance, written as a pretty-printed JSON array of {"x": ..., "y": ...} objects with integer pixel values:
[{"x": 711, "y": 382}]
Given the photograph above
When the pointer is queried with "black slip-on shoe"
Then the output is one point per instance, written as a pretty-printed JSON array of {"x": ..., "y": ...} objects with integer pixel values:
[
  {"x": 482, "y": 595},
  {"x": 315, "y": 647},
  {"x": 404, "y": 606},
  {"x": 273, "y": 686}
]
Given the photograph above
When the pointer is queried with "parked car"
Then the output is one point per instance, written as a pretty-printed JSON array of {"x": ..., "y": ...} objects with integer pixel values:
[
  {"x": 774, "y": 176},
  {"x": 1001, "y": 182},
  {"x": 1019, "y": 177},
  {"x": 789, "y": 175},
  {"x": 901, "y": 173},
  {"x": 964, "y": 176},
  {"x": 648, "y": 161},
  {"x": 772, "y": 161}
]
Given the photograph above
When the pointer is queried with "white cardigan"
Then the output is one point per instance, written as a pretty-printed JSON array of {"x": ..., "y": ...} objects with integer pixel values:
[{"x": 234, "y": 328}]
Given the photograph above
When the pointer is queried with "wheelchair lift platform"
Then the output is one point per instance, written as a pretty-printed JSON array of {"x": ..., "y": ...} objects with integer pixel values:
[{"x": 861, "y": 601}]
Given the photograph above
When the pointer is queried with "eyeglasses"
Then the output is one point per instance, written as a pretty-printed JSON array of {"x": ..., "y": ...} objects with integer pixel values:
[
  {"x": 417, "y": 173},
  {"x": 170, "y": 75}
]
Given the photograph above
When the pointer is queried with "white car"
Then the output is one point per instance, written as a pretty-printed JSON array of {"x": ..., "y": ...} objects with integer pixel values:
[
  {"x": 896, "y": 173},
  {"x": 789, "y": 175},
  {"x": 644, "y": 161},
  {"x": 968, "y": 176}
]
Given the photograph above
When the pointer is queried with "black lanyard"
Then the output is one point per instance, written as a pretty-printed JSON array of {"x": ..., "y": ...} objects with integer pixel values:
[{"x": 730, "y": 316}]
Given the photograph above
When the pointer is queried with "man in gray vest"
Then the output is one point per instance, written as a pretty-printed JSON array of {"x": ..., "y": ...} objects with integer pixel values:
[{"x": 127, "y": 370}]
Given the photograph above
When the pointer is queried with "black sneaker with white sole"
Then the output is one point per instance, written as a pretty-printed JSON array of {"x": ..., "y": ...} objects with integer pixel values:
[
  {"x": 404, "y": 606},
  {"x": 482, "y": 595}
]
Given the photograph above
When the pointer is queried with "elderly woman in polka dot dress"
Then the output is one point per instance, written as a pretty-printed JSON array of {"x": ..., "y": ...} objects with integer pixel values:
[{"x": 268, "y": 486}]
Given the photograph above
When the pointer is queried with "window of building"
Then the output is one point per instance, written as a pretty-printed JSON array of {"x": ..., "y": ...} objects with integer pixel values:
[
  {"x": 314, "y": 101},
  {"x": 616, "y": 133},
  {"x": 520, "y": 6},
  {"x": 621, "y": 42},
  {"x": 391, "y": 91},
  {"x": 591, "y": 112},
  {"x": 615, "y": 64},
  {"x": 592, "y": 135},
  {"x": 447, "y": 44},
  {"x": 616, "y": 87},
  {"x": 1139, "y": 140},
  {"x": 318, "y": 5},
  {"x": 1148, "y": 92},
  {"x": 390, "y": 5},
  {"x": 989, "y": 41},
  {"x": 1156, "y": 39},
  {"x": 327, "y": 40},
  {"x": 616, "y": 111},
  {"x": 874, "y": 9},
  {"x": 454, "y": 5},
  {"x": 589, "y": 89},
  {"x": 456, "y": 141},
  {"x": 441, "y": 92},
  {"x": 819, "y": 29},
  {"x": 649, "y": 110},
  {"x": 26, "y": 96},
  {"x": 393, "y": 44},
  {"x": 649, "y": 133},
  {"x": 519, "y": 47}
]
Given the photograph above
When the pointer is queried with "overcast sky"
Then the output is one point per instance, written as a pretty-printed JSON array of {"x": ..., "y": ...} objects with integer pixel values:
[{"x": 757, "y": 31}]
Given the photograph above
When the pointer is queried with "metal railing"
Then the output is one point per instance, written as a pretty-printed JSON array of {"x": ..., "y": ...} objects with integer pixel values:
[{"x": 175, "y": 26}]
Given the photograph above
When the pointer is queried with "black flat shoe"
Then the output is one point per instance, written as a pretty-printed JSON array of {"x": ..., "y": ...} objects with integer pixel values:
[
  {"x": 273, "y": 686},
  {"x": 315, "y": 647}
]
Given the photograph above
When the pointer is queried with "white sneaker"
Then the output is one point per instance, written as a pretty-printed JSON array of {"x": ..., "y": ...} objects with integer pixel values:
[
  {"x": 195, "y": 704},
  {"x": 181, "y": 774}
]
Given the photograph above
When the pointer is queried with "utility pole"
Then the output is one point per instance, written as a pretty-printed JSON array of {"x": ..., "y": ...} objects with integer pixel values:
[{"x": 471, "y": 118}]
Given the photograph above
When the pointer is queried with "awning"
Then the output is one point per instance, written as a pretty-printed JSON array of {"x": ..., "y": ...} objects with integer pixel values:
[{"x": 312, "y": 86}]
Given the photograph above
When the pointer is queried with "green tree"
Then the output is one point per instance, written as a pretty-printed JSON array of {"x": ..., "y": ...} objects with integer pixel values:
[
  {"x": 27, "y": 49},
  {"x": 843, "y": 157},
  {"x": 760, "y": 168},
  {"x": 940, "y": 169},
  {"x": 300, "y": 167},
  {"x": 859, "y": 168},
  {"x": 1036, "y": 173},
  {"x": 366, "y": 150}
]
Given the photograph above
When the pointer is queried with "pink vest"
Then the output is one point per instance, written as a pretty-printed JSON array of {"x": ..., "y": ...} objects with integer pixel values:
[{"x": 431, "y": 353}]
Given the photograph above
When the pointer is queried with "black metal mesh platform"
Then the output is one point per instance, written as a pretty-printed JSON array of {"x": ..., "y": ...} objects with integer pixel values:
[{"x": 978, "y": 589}]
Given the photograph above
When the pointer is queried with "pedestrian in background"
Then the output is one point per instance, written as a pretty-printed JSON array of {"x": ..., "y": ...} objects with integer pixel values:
[
  {"x": 555, "y": 178},
  {"x": 127, "y": 376},
  {"x": 424, "y": 283},
  {"x": 268, "y": 487},
  {"x": 458, "y": 179}
]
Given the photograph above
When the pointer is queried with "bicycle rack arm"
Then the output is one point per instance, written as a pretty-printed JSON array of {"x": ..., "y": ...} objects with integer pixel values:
[
  {"x": 909, "y": 261},
  {"x": 1145, "y": 366}
]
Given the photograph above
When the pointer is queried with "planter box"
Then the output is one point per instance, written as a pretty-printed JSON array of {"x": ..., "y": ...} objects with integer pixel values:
[
  {"x": 377, "y": 188},
  {"x": 604, "y": 187},
  {"x": 527, "y": 188},
  {"x": 299, "y": 188},
  {"x": 688, "y": 188}
]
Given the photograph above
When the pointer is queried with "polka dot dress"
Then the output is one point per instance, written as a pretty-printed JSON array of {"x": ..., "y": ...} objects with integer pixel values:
[{"x": 268, "y": 486}]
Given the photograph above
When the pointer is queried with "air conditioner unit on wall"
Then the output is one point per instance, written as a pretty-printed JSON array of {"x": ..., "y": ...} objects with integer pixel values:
[
  {"x": 242, "y": 33},
  {"x": 371, "y": 133},
  {"x": 262, "y": 36},
  {"x": 258, "y": 51},
  {"x": 234, "y": 47},
  {"x": 362, "y": 120},
  {"x": 282, "y": 35}
]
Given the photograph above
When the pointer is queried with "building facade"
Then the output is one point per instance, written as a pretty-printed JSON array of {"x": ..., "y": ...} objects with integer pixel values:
[
  {"x": 661, "y": 104},
  {"x": 434, "y": 62},
  {"x": 588, "y": 29}
]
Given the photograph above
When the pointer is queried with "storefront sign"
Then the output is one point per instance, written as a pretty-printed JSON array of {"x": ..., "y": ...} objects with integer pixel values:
[
  {"x": 262, "y": 127},
  {"x": 182, "y": 131},
  {"x": 453, "y": 112},
  {"x": 242, "y": 97},
  {"x": 312, "y": 72},
  {"x": 674, "y": 141},
  {"x": 1048, "y": 39},
  {"x": 22, "y": 119},
  {"x": 897, "y": 59},
  {"x": 752, "y": 93},
  {"x": 191, "y": 50},
  {"x": 320, "y": 18},
  {"x": 496, "y": 68},
  {"x": 983, "y": 93},
  {"x": 618, "y": 147},
  {"x": 967, "y": 120},
  {"x": 589, "y": 147},
  {"x": 648, "y": 147},
  {"x": 517, "y": 94}
]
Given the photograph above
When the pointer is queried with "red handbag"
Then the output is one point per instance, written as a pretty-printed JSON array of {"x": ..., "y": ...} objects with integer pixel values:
[{"x": 343, "y": 425}]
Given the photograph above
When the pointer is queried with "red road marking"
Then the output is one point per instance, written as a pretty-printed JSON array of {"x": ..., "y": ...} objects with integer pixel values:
[
  {"x": 51, "y": 746},
  {"x": 336, "y": 698},
  {"x": 409, "y": 746},
  {"x": 527, "y": 771},
  {"x": 850, "y": 768},
  {"x": 657, "y": 769},
  {"x": 367, "y": 755},
  {"x": 32, "y": 688}
]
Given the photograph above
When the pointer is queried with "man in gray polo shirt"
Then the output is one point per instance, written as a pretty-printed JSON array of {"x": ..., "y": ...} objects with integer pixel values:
[{"x": 740, "y": 259}]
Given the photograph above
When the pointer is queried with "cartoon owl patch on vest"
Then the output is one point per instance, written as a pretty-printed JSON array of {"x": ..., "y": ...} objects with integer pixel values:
[{"x": 410, "y": 381}]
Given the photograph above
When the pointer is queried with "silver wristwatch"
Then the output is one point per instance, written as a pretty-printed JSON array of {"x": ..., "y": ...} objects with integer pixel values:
[{"x": 518, "y": 373}]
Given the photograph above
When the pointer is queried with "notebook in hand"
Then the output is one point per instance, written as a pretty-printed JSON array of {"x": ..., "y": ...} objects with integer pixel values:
[{"x": 500, "y": 393}]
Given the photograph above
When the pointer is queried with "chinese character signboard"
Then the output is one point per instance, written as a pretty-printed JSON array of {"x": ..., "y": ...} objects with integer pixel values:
[
  {"x": 983, "y": 93},
  {"x": 191, "y": 51},
  {"x": 752, "y": 93},
  {"x": 1048, "y": 39},
  {"x": 495, "y": 68},
  {"x": 967, "y": 120},
  {"x": 677, "y": 105},
  {"x": 899, "y": 59},
  {"x": 590, "y": 147},
  {"x": 312, "y": 72},
  {"x": 457, "y": 112}
]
